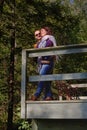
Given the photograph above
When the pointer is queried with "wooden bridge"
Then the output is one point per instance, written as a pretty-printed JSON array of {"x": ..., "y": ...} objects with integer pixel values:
[{"x": 56, "y": 109}]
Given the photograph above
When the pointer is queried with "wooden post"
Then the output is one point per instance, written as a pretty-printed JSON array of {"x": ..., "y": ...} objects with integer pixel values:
[{"x": 23, "y": 85}]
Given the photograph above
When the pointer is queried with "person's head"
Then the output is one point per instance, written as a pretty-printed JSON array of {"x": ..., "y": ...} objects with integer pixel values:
[
  {"x": 45, "y": 31},
  {"x": 37, "y": 35}
]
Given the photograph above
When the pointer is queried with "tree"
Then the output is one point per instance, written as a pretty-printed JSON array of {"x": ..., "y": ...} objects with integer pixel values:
[
  {"x": 11, "y": 71},
  {"x": 65, "y": 19}
]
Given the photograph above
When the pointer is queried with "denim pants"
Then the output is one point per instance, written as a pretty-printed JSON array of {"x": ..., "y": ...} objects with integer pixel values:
[{"x": 45, "y": 85}]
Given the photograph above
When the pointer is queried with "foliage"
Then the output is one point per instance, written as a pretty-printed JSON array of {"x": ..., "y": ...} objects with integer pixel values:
[
  {"x": 68, "y": 22},
  {"x": 24, "y": 126},
  {"x": 65, "y": 90}
]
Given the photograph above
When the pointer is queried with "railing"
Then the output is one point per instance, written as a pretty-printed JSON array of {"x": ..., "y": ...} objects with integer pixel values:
[{"x": 60, "y": 50}]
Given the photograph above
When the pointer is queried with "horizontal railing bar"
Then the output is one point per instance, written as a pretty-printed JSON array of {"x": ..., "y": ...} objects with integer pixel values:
[
  {"x": 63, "y": 47},
  {"x": 66, "y": 49},
  {"x": 79, "y": 85},
  {"x": 69, "y": 76},
  {"x": 83, "y": 97},
  {"x": 58, "y": 52}
]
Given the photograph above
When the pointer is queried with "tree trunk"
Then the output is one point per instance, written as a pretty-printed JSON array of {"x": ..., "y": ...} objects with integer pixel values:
[
  {"x": 11, "y": 84},
  {"x": 11, "y": 74}
]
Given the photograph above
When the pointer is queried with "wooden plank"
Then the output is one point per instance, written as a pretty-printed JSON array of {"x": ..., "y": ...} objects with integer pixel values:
[
  {"x": 57, "y": 109},
  {"x": 65, "y": 49},
  {"x": 70, "y": 76},
  {"x": 84, "y": 45},
  {"x": 83, "y": 97},
  {"x": 57, "y": 52},
  {"x": 23, "y": 84},
  {"x": 79, "y": 85}
]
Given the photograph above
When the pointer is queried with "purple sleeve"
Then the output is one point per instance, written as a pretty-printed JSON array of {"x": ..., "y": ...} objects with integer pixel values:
[{"x": 49, "y": 43}]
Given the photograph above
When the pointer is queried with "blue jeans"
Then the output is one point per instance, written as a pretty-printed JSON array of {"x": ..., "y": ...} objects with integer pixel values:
[{"x": 45, "y": 85}]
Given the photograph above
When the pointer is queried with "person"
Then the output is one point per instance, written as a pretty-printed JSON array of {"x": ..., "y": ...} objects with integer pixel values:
[
  {"x": 45, "y": 64},
  {"x": 37, "y": 37},
  {"x": 50, "y": 36}
]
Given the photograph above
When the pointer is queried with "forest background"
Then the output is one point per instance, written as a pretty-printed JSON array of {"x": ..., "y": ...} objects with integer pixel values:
[{"x": 18, "y": 21}]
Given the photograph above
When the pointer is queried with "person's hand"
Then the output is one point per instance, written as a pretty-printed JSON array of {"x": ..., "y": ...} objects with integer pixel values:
[{"x": 35, "y": 45}]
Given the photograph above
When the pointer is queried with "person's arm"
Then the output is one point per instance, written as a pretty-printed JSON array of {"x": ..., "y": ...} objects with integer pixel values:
[
  {"x": 49, "y": 43},
  {"x": 47, "y": 59},
  {"x": 52, "y": 38}
]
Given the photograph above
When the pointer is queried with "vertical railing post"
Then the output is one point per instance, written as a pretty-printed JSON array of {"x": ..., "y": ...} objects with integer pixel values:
[{"x": 23, "y": 85}]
